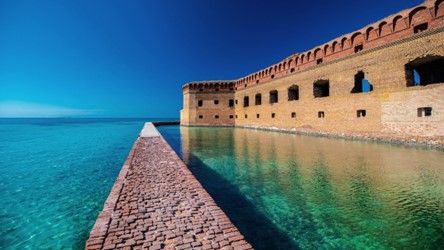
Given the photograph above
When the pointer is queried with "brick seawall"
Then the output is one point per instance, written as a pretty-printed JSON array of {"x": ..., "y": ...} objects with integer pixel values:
[{"x": 156, "y": 203}]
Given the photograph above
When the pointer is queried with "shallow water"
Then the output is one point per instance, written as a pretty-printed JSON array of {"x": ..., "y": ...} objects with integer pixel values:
[
  {"x": 286, "y": 191},
  {"x": 55, "y": 175}
]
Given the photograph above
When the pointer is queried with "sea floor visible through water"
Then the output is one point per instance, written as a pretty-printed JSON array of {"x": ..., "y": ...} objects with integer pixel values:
[{"x": 287, "y": 191}]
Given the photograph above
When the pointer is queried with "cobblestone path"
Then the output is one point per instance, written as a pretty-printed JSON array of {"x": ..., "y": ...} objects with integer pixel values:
[{"x": 156, "y": 203}]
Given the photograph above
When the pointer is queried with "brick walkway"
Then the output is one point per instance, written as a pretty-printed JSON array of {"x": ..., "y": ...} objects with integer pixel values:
[{"x": 156, "y": 203}]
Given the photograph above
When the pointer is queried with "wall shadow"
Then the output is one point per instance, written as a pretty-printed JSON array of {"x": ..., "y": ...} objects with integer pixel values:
[{"x": 257, "y": 229}]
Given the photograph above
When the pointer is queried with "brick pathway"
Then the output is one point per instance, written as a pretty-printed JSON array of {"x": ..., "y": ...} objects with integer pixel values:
[{"x": 156, "y": 203}]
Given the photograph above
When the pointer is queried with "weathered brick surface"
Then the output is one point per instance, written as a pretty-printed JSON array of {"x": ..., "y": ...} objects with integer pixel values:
[
  {"x": 391, "y": 108},
  {"x": 157, "y": 203}
]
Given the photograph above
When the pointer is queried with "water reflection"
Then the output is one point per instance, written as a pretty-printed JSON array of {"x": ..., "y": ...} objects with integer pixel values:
[{"x": 322, "y": 193}]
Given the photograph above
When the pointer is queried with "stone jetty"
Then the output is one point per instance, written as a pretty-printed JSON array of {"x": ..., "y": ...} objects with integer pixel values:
[{"x": 156, "y": 203}]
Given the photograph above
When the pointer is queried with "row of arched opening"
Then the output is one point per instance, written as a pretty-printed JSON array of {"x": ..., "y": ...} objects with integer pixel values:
[
  {"x": 417, "y": 18},
  {"x": 321, "y": 88}
]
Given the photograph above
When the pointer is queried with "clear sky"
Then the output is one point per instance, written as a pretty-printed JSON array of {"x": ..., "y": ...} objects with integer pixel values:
[{"x": 91, "y": 58}]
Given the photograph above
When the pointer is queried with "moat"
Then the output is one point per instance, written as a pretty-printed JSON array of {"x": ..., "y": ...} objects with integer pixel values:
[{"x": 299, "y": 192}]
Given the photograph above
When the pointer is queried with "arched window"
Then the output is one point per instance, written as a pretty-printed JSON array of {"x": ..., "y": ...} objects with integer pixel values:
[
  {"x": 246, "y": 101},
  {"x": 361, "y": 84}
]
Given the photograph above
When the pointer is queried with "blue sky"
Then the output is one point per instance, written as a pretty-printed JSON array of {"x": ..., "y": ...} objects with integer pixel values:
[{"x": 130, "y": 58}]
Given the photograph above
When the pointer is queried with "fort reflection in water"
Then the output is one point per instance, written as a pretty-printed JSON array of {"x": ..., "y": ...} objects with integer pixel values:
[{"x": 314, "y": 193}]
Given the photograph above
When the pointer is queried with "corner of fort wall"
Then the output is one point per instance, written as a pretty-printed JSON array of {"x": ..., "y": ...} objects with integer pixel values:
[{"x": 400, "y": 60}]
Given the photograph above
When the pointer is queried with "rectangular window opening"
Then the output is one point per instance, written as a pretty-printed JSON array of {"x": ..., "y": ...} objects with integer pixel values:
[
  {"x": 231, "y": 117},
  {"x": 257, "y": 115},
  {"x": 293, "y": 115},
  {"x": 319, "y": 61},
  {"x": 424, "y": 111},
  {"x": 358, "y": 48},
  {"x": 273, "y": 115},
  {"x": 361, "y": 113},
  {"x": 216, "y": 116},
  {"x": 200, "y": 116},
  {"x": 231, "y": 103},
  {"x": 199, "y": 103},
  {"x": 321, "y": 114},
  {"x": 216, "y": 102},
  {"x": 420, "y": 28}
]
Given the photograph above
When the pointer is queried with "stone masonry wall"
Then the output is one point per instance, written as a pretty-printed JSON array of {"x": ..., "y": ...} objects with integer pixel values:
[{"x": 380, "y": 51}]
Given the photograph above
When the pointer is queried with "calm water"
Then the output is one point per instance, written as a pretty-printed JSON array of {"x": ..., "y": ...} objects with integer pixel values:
[
  {"x": 55, "y": 175},
  {"x": 298, "y": 192}
]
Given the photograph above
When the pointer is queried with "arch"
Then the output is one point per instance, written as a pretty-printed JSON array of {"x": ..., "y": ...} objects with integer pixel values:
[
  {"x": 280, "y": 67},
  {"x": 290, "y": 63},
  {"x": 255, "y": 76},
  {"x": 266, "y": 72},
  {"x": 439, "y": 8},
  {"x": 275, "y": 68},
  {"x": 318, "y": 53},
  {"x": 357, "y": 39},
  {"x": 270, "y": 71},
  {"x": 384, "y": 29},
  {"x": 284, "y": 66},
  {"x": 335, "y": 47},
  {"x": 308, "y": 56},
  {"x": 419, "y": 16},
  {"x": 296, "y": 61},
  {"x": 302, "y": 59},
  {"x": 344, "y": 43},
  {"x": 399, "y": 23},
  {"x": 326, "y": 49},
  {"x": 370, "y": 34}
]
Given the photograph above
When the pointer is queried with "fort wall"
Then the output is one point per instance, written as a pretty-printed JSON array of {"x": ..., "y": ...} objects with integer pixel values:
[{"x": 386, "y": 77}]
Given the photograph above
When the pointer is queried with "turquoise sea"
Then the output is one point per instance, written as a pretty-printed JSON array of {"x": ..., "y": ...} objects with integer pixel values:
[
  {"x": 55, "y": 175},
  {"x": 287, "y": 191},
  {"x": 283, "y": 191}
]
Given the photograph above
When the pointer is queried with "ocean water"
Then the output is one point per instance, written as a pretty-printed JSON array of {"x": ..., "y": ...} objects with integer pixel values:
[
  {"x": 286, "y": 191},
  {"x": 55, "y": 175}
]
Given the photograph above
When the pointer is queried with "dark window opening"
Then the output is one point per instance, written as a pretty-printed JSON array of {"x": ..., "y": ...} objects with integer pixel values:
[
  {"x": 216, "y": 102},
  {"x": 231, "y": 89},
  {"x": 200, "y": 116},
  {"x": 273, "y": 115},
  {"x": 361, "y": 84},
  {"x": 257, "y": 115},
  {"x": 246, "y": 116},
  {"x": 273, "y": 96},
  {"x": 200, "y": 90},
  {"x": 245, "y": 85},
  {"x": 231, "y": 103},
  {"x": 272, "y": 76},
  {"x": 217, "y": 89},
  {"x": 258, "y": 99},
  {"x": 424, "y": 71},
  {"x": 424, "y": 111},
  {"x": 199, "y": 103},
  {"x": 216, "y": 116},
  {"x": 236, "y": 116},
  {"x": 420, "y": 28},
  {"x": 293, "y": 115},
  {"x": 321, "y": 88},
  {"x": 236, "y": 101},
  {"x": 246, "y": 101},
  {"x": 293, "y": 93},
  {"x": 361, "y": 113},
  {"x": 231, "y": 117},
  {"x": 358, "y": 48},
  {"x": 319, "y": 61},
  {"x": 321, "y": 114},
  {"x": 257, "y": 81},
  {"x": 292, "y": 70}
]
